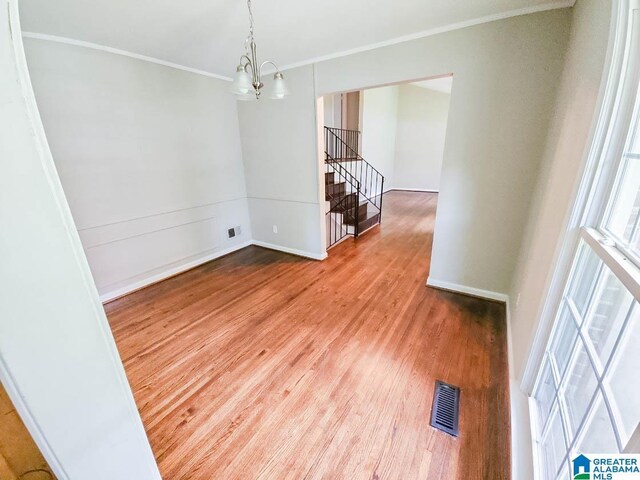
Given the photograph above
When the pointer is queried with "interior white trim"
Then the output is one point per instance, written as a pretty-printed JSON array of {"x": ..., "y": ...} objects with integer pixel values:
[
  {"x": 157, "y": 214},
  {"x": 176, "y": 270},
  {"x": 626, "y": 271},
  {"x": 434, "y": 31},
  {"x": 89, "y": 246},
  {"x": 509, "y": 341},
  {"x": 117, "y": 51},
  {"x": 272, "y": 199},
  {"x": 474, "y": 292},
  {"x": 522, "y": 459},
  {"x": 170, "y": 272},
  {"x": 293, "y": 251},
  {"x": 323, "y": 205},
  {"x": 372, "y": 46},
  {"x": 425, "y": 190}
]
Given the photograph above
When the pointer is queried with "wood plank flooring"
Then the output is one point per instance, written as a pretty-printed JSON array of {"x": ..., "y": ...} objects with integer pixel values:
[{"x": 263, "y": 365}]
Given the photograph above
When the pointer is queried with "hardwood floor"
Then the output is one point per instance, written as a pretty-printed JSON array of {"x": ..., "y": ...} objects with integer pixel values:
[
  {"x": 20, "y": 457},
  {"x": 263, "y": 365}
]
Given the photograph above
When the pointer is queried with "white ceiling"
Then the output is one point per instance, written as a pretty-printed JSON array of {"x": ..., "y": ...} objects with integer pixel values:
[
  {"x": 209, "y": 34},
  {"x": 440, "y": 84}
]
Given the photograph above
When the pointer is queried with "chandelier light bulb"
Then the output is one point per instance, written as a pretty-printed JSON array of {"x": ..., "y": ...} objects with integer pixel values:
[
  {"x": 242, "y": 81},
  {"x": 279, "y": 88}
]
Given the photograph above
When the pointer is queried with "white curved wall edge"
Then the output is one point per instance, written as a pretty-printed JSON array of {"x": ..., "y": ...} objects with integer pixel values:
[{"x": 58, "y": 360}]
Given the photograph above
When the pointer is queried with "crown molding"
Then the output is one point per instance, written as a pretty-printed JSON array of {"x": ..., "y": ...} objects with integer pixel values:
[
  {"x": 435, "y": 31},
  {"x": 372, "y": 46},
  {"x": 125, "y": 53}
]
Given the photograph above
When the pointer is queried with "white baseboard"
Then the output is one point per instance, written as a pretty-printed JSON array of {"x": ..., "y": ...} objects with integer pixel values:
[
  {"x": 412, "y": 190},
  {"x": 474, "y": 292},
  {"x": 158, "y": 277},
  {"x": 521, "y": 440},
  {"x": 294, "y": 251},
  {"x": 521, "y": 436}
]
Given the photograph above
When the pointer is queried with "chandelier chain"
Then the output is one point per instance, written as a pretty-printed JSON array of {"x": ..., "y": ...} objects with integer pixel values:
[{"x": 250, "y": 19}]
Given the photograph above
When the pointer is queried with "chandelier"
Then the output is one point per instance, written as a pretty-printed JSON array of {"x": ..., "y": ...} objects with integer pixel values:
[{"x": 248, "y": 86}]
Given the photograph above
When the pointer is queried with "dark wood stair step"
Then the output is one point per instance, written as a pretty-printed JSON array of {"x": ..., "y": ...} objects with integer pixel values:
[
  {"x": 329, "y": 177},
  {"x": 349, "y": 216},
  {"x": 334, "y": 190},
  {"x": 369, "y": 221},
  {"x": 343, "y": 202}
]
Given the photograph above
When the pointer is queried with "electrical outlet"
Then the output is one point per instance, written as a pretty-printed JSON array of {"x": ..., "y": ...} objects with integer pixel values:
[
  {"x": 275, "y": 229},
  {"x": 517, "y": 301},
  {"x": 238, "y": 230}
]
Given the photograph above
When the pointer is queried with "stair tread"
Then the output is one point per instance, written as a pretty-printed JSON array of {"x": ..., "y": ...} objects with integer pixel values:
[{"x": 369, "y": 215}]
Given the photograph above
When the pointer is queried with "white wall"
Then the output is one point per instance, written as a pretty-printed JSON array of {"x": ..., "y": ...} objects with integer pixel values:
[
  {"x": 506, "y": 75},
  {"x": 506, "y": 72},
  {"x": 149, "y": 157},
  {"x": 58, "y": 360},
  {"x": 332, "y": 107},
  {"x": 563, "y": 161},
  {"x": 329, "y": 117},
  {"x": 281, "y": 168},
  {"x": 379, "y": 121},
  {"x": 420, "y": 136}
]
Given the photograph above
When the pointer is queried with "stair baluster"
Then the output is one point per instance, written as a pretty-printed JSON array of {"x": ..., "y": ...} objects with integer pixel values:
[{"x": 355, "y": 199}]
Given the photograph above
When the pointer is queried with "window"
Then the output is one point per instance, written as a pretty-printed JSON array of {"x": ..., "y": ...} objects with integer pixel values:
[{"x": 586, "y": 397}]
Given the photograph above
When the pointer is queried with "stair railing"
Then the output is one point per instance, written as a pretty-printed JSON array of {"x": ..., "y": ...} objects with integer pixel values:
[
  {"x": 341, "y": 147},
  {"x": 343, "y": 204},
  {"x": 349, "y": 147}
]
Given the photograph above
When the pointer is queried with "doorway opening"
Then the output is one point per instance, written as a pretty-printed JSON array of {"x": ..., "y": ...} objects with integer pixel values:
[{"x": 376, "y": 140}]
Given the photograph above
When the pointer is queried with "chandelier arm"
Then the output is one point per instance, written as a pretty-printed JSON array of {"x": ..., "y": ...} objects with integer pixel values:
[
  {"x": 266, "y": 62},
  {"x": 247, "y": 61}
]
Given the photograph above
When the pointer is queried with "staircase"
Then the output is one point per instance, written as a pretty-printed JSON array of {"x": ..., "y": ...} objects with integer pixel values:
[{"x": 353, "y": 187}]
